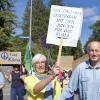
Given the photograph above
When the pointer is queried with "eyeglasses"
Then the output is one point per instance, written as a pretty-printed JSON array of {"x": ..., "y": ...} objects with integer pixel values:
[{"x": 42, "y": 62}]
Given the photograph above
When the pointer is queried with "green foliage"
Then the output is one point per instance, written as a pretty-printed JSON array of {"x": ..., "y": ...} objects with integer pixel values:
[
  {"x": 6, "y": 4},
  {"x": 40, "y": 21},
  {"x": 4, "y": 40},
  {"x": 7, "y": 23},
  {"x": 55, "y": 2},
  {"x": 40, "y": 18},
  {"x": 77, "y": 51},
  {"x": 96, "y": 33}
]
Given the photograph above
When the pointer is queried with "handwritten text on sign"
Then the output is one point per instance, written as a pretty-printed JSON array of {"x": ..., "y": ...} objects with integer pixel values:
[
  {"x": 10, "y": 57},
  {"x": 65, "y": 22}
]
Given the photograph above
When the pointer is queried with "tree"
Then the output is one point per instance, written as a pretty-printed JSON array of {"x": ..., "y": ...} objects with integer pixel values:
[
  {"x": 40, "y": 21},
  {"x": 95, "y": 33},
  {"x": 7, "y": 23},
  {"x": 77, "y": 51},
  {"x": 40, "y": 18},
  {"x": 55, "y": 2}
]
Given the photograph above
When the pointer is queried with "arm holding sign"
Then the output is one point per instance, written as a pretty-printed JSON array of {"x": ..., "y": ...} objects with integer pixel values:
[{"x": 40, "y": 85}]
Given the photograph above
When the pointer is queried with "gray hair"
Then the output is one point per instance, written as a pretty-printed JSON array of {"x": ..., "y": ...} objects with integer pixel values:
[
  {"x": 88, "y": 45},
  {"x": 37, "y": 57}
]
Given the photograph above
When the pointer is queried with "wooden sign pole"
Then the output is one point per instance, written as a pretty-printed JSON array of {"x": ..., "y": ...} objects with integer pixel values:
[{"x": 60, "y": 50}]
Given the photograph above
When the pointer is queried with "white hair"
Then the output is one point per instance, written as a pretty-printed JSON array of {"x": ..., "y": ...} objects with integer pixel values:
[
  {"x": 91, "y": 42},
  {"x": 37, "y": 57}
]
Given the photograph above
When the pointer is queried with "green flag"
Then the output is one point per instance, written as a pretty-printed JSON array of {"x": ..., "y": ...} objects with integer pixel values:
[{"x": 28, "y": 58}]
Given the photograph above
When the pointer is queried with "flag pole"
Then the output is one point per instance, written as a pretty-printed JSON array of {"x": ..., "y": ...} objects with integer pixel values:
[{"x": 30, "y": 31}]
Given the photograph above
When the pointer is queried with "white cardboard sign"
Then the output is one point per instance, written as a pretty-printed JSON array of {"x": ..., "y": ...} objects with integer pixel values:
[{"x": 64, "y": 22}]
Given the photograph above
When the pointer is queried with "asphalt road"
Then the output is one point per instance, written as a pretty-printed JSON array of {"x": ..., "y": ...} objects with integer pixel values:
[{"x": 6, "y": 92}]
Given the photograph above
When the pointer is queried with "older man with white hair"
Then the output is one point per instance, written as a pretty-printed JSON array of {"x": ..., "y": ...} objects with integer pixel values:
[{"x": 86, "y": 77}]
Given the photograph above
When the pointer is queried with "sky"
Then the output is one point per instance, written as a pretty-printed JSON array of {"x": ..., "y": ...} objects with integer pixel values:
[{"x": 91, "y": 14}]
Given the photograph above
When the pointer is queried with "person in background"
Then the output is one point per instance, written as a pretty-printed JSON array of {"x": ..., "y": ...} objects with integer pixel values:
[
  {"x": 69, "y": 73},
  {"x": 85, "y": 79},
  {"x": 41, "y": 86},
  {"x": 2, "y": 83},
  {"x": 65, "y": 79},
  {"x": 17, "y": 85}
]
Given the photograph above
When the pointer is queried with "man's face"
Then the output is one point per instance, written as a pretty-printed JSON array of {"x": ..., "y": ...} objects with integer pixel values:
[
  {"x": 40, "y": 66},
  {"x": 94, "y": 52}
]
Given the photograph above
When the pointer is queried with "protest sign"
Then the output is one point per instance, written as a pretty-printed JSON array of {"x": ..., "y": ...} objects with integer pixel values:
[
  {"x": 10, "y": 57},
  {"x": 66, "y": 23}
]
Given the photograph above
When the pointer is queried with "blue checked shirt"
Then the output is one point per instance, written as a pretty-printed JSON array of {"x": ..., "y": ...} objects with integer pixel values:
[
  {"x": 86, "y": 80},
  {"x": 2, "y": 79}
]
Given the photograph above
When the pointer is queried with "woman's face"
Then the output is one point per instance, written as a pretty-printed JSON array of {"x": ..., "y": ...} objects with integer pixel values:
[
  {"x": 40, "y": 66},
  {"x": 16, "y": 69}
]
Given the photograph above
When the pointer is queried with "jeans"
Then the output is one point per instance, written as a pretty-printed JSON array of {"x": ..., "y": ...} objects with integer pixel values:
[{"x": 17, "y": 92}]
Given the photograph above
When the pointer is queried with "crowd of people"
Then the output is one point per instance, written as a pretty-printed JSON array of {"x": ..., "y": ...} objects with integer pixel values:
[
  {"x": 40, "y": 83},
  {"x": 43, "y": 83}
]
